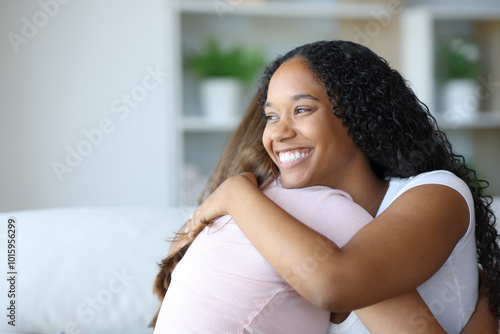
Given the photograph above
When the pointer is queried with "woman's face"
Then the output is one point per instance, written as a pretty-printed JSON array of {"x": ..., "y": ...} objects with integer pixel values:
[{"x": 304, "y": 138}]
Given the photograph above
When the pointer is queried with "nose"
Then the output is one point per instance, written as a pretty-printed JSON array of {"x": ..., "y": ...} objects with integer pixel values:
[{"x": 282, "y": 130}]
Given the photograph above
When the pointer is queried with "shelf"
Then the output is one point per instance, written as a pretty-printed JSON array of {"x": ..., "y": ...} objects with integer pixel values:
[
  {"x": 283, "y": 9},
  {"x": 477, "y": 11},
  {"x": 203, "y": 124},
  {"x": 481, "y": 120}
]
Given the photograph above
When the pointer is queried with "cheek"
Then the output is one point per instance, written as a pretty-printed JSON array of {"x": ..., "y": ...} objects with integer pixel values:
[{"x": 266, "y": 141}]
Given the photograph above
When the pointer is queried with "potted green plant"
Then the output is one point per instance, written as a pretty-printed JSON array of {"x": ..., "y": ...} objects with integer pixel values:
[
  {"x": 458, "y": 69},
  {"x": 223, "y": 72}
]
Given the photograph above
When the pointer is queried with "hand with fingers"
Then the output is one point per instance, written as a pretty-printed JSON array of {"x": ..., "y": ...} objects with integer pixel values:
[{"x": 218, "y": 203}]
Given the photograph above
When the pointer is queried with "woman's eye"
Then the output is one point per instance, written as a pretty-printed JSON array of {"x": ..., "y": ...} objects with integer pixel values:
[
  {"x": 301, "y": 110},
  {"x": 270, "y": 118}
]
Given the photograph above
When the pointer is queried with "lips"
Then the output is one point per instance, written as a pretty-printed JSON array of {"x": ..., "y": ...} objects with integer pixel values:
[{"x": 293, "y": 155}]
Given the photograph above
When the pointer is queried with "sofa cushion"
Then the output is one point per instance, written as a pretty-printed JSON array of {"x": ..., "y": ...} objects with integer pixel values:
[{"x": 83, "y": 270}]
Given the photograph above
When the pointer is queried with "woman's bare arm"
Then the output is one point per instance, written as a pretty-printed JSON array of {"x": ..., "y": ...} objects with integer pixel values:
[
  {"x": 406, "y": 313},
  {"x": 392, "y": 255}
]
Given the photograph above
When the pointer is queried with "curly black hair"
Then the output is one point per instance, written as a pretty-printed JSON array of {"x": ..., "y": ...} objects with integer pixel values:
[{"x": 395, "y": 130}]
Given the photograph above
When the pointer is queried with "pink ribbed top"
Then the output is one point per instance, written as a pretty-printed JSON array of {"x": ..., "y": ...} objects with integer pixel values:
[{"x": 223, "y": 284}]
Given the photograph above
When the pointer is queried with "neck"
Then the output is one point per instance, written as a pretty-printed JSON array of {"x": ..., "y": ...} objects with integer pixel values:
[
  {"x": 367, "y": 190},
  {"x": 371, "y": 195}
]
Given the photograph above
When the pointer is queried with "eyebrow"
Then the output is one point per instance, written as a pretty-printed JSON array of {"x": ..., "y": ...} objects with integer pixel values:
[{"x": 293, "y": 98}]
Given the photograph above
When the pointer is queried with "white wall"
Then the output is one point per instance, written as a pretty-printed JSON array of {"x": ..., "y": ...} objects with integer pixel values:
[{"x": 68, "y": 68}]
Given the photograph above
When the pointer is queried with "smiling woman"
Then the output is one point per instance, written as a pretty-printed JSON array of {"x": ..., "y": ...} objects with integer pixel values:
[
  {"x": 300, "y": 121},
  {"x": 344, "y": 128}
]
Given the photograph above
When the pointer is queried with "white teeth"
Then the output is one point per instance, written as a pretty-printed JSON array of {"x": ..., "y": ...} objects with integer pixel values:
[{"x": 289, "y": 157}]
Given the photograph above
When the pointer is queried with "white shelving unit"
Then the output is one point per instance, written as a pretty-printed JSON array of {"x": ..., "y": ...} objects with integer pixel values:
[
  {"x": 201, "y": 124},
  {"x": 481, "y": 121},
  {"x": 405, "y": 36},
  {"x": 287, "y": 9},
  {"x": 419, "y": 30},
  {"x": 422, "y": 27}
]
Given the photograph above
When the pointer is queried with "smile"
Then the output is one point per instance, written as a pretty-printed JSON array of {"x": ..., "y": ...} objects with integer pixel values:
[{"x": 293, "y": 155}]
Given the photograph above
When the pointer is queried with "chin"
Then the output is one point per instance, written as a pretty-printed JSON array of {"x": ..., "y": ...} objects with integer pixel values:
[{"x": 293, "y": 184}]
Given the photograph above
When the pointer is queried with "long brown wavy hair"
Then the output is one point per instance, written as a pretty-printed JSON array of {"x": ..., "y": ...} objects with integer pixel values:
[{"x": 244, "y": 153}]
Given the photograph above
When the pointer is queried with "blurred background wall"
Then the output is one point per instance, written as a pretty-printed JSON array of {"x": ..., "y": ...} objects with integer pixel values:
[{"x": 84, "y": 103}]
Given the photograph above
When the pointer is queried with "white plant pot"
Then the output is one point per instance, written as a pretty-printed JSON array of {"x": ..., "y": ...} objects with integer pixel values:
[
  {"x": 220, "y": 98},
  {"x": 460, "y": 99}
]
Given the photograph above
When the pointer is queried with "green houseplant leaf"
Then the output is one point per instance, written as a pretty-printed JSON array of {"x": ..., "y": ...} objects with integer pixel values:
[
  {"x": 214, "y": 61},
  {"x": 458, "y": 58}
]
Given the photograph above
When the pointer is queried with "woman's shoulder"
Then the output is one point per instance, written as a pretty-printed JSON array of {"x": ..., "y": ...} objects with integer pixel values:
[
  {"x": 311, "y": 200},
  {"x": 398, "y": 186},
  {"x": 442, "y": 177}
]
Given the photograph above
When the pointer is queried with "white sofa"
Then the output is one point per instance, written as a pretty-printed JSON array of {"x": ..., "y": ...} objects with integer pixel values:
[{"x": 83, "y": 270}]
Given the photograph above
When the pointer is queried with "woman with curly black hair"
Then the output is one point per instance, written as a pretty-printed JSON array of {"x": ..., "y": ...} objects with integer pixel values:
[{"x": 387, "y": 152}]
